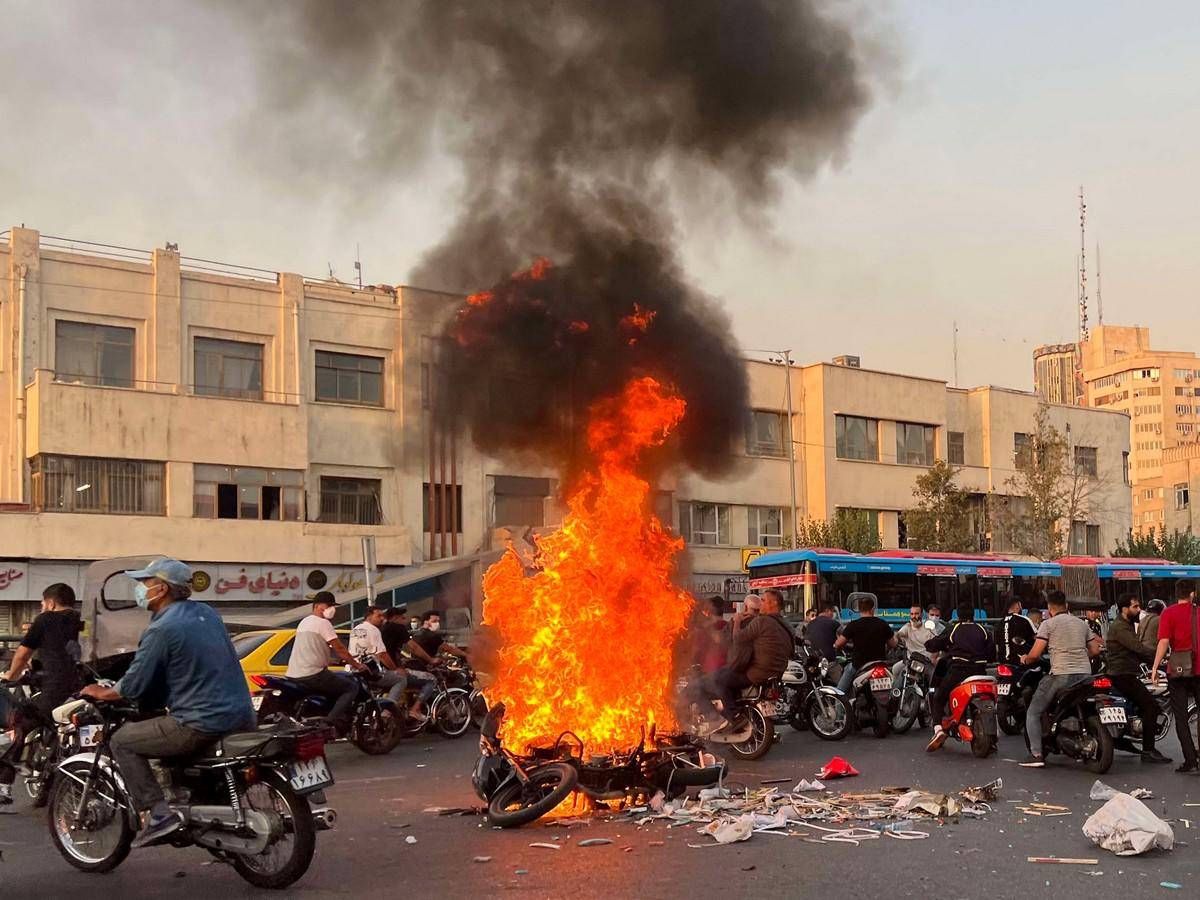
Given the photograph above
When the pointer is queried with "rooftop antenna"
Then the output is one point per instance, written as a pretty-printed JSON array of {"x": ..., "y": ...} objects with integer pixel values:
[
  {"x": 1099, "y": 301},
  {"x": 358, "y": 264},
  {"x": 1083, "y": 316},
  {"x": 956, "y": 353}
]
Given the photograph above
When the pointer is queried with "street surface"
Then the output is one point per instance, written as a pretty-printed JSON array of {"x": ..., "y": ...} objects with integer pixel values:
[{"x": 380, "y": 801}]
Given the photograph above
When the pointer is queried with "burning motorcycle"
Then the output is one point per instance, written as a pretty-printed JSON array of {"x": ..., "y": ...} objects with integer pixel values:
[
  {"x": 807, "y": 702},
  {"x": 520, "y": 789}
]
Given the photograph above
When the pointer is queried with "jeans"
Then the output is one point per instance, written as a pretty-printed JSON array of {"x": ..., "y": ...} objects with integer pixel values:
[
  {"x": 1048, "y": 690},
  {"x": 340, "y": 689},
  {"x": 956, "y": 674},
  {"x": 136, "y": 743},
  {"x": 847, "y": 680},
  {"x": 1131, "y": 688},
  {"x": 1182, "y": 689},
  {"x": 429, "y": 685},
  {"x": 722, "y": 685},
  {"x": 395, "y": 682}
]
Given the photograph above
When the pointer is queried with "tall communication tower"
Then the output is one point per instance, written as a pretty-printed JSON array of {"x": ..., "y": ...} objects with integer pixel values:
[
  {"x": 1099, "y": 298},
  {"x": 1083, "y": 297}
]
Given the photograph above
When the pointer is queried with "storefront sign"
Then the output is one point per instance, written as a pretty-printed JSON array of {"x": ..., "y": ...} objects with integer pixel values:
[{"x": 11, "y": 575}]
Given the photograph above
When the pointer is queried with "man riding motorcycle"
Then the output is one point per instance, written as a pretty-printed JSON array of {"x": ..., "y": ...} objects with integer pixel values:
[
  {"x": 185, "y": 662},
  {"x": 1124, "y": 663},
  {"x": 969, "y": 648},
  {"x": 1014, "y": 636}
]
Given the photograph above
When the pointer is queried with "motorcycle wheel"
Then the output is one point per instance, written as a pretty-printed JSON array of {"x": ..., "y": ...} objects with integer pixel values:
[
  {"x": 830, "y": 722},
  {"x": 451, "y": 713},
  {"x": 983, "y": 736},
  {"x": 883, "y": 721},
  {"x": 1102, "y": 761},
  {"x": 1007, "y": 719},
  {"x": 762, "y": 735},
  {"x": 376, "y": 732},
  {"x": 103, "y": 837},
  {"x": 479, "y": 708},
  {"x": 518, "y": 803},
  {"x": 906, "y": 715},
  {"x": 288, "y": 857}
]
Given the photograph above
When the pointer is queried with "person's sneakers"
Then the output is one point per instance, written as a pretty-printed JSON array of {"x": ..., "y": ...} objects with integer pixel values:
[
  {"x": 417, "y": 716},
  {"x": 161, "y": 822},
  {"x": 1153, "y": 756},
  {"x": 939, "y": 738},
  {"x": 1033, "y": 761},
  {"x": 5, "y": 794},
  {"x": 1187, "y": 769}
]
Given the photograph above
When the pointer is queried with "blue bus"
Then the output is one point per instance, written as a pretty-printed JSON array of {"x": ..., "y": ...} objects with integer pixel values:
[{"x": 1111, "y": 577}]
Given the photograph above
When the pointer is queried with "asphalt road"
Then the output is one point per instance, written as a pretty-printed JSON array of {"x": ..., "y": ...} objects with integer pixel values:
[{"x": 381, "y": 802}]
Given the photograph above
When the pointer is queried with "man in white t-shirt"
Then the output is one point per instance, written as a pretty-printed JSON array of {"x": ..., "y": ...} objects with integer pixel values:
[
  {"x": 309, "y": 662},
  {"x": 366, "y": 640}
]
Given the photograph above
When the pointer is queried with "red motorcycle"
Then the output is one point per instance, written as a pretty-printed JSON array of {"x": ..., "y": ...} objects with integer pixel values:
[{"x": 972, "y": 715}]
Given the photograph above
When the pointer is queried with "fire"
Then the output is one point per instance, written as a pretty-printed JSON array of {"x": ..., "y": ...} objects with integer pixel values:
[{"x": 587, "y": 640}]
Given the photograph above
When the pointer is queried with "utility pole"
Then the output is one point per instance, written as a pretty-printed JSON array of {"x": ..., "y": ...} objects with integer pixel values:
[
  {"x": 1099, "y": 300},
  {"x": 791, "y": 440},
  {"x": 1083, "y": 298},
  {"x": 956, "y": 353}
]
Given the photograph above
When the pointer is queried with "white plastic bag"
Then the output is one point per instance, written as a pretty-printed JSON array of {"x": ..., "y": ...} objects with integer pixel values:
[
  {"x": 1126, "y": 826},
  {"x": 1101, "y": 791}
]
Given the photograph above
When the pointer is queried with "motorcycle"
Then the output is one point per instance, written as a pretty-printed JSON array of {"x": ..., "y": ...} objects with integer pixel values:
[
  {"x": 1127, "y": 737},
  {"x": 246, "y": 799},
  {"x": 807, "y": 702},
  {"x": 911, "y": 693},
  {"x": 44, "y": 745},
  {"x": 1014, "y": 689},
  {"x": 972, "y": 715},
  {"x": 872, "y": 700},
  {"x": 519, "y": 789},
  {"x": 377, "y": 724},
  {"x": 1077, "y": 724},
  {"x": 452, "y": 708}
]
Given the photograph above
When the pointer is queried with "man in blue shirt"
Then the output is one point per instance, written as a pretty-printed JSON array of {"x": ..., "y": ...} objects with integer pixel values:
[{"x": 185, "y": 662}]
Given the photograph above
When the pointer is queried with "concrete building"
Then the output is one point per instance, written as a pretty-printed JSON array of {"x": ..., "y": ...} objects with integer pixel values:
[
  {"x": 861, "y": 439},
  {"x": 1056, "y": 376},
  {"x": 258, "y": 424}
]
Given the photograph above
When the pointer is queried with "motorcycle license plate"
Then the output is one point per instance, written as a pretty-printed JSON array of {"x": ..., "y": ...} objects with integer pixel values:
[
  {"x": 89, "y": 735},
  {"x": 311, "y": 774},
  {"x": 1112, "y": 715},
  {"x": 257, "y": 701},
  {"x": 1003, "y": 690},
  {"x": 881, "y": 684}
]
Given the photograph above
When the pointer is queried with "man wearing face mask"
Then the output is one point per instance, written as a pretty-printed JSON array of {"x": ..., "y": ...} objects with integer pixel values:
[
  {"x": 53, "y": 636},
  {"x": 186, "y": 663},
  {"x": 309, "y": 662}
]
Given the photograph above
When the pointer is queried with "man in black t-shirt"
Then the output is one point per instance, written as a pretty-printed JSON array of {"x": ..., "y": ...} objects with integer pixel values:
[
  {"x": 822, "y": 631},
  {"x": 54, "y": 636},
  {"x": 394, "y": 631},
  {"x": 870, "y": 636}
]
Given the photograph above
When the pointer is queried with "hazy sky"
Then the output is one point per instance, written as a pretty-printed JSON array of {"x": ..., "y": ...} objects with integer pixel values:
[{"x": 127, "y": 122}]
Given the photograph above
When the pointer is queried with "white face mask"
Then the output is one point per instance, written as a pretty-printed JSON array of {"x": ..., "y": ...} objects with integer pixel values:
[
  {"x": 434, "y": 626},
  {"x": 330, "y": 612}
]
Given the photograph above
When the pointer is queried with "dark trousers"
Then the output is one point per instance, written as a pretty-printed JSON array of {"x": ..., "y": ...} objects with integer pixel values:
[
  {"x": 1182, "y": 690},
  {"x": 339, "y": 689},
  {"x": 724, "y": 685},
  {"x": 1131, "y": 688},
  {"x": 956, "y": 674},
  {"x": 136, "y": 743},
  {"x": 27, "y": 716}
]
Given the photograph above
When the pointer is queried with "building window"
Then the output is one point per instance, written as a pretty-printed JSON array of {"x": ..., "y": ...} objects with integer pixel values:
[
  {"x": 956, "y": 448},
  {"x": 438, "y": 510},
  {"x": 93, "y": 354},
  {"x": 1125, "y": 466},
  {"x": 1022, "y": 448},
  {"x": 704, "y": 523},
  {"x": 1085, "y": 461},
  {"x": 350, "y": 501},
  {"x": 80, "y": 484},
  {"x": 766, "y": 526},
  {"x": 765, "y": 434},
  {"x": 1182, "y": 496},
  {"x": 914, "y": 444},
  {"x": 240, "y": 492},
  {"x": 347, "y": 378},
  {"x": 519, "y": 501},
  {"x": 228, "y": 369},
  {"x": 857, "y": 438},
  {"x": 1084, "y": 539}
]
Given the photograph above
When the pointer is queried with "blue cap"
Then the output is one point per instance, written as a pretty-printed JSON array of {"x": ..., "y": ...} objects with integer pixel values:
[{"x": 172, "y": 571}]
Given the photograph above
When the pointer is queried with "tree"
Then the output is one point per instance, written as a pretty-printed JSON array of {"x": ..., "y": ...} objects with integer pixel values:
[
  {"x": 941, "y": 518},
  {"x": 1181, "y": 547},
  {"x": 1049, "y": 491},
  {"x": 850, "y": 529}
]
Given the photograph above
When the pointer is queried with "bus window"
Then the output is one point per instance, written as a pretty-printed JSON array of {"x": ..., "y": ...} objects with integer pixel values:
[
  {"x": 1152, "y": 589},
  {"x": 895, "y": 591},
  {"x": 837, "y": 586},
  {"x": 994, "y": 594},
  {"x": 940, "y": 590}
]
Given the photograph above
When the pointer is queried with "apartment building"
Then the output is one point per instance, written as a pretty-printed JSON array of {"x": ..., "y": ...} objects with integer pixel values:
[
  {"x": 861, "y": 438},
  {"x": 258, "y": 424}
]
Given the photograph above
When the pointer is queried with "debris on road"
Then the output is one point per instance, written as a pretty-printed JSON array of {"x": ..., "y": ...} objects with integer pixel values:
[
  {"x": 483, "y": 859},
  {"x": 987, "y": 793},
  {"x": 1127, "y": 827},
  {"x": 806, "y": 785},
  {"x": 1063, "y": 860},
  {"x": 837, "y": 768},
  {"x": 594, "y": 842},
  {"x": 410, "y": 840},
  {"x": 1101, "y": 791},
  {"x": 546, "y": 846}
]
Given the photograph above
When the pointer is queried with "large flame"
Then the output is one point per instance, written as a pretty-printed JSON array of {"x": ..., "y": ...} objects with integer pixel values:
[{"x": 587, "y": 639}]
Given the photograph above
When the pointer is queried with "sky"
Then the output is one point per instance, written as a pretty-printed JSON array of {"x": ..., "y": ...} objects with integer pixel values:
[{"x": 133, "y": 123}]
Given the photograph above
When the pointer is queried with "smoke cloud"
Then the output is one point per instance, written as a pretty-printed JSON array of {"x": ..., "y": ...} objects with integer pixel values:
[{"x": 576, "y": 124}]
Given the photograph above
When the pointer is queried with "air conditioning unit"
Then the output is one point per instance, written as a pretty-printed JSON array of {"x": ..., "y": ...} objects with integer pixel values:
[{"x": 849, "y": 362}]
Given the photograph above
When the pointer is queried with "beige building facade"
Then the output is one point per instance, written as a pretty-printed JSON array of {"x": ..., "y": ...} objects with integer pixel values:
[{"x": 861, "y": 438}]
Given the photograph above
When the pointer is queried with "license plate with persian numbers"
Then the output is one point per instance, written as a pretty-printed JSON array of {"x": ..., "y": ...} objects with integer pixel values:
[
  {"x": 881, "y": 684},
  {"x": 311, "y": 774},
  {"x": 1112, "y": 715},
  {"x": 257, "y": 701},
  {"x": 1003, "y": 690},
  {"x": 90, "y": 735}
]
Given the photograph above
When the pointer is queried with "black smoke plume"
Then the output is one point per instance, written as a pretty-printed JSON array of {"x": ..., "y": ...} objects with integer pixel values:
[{"x": 578, "y": 124}]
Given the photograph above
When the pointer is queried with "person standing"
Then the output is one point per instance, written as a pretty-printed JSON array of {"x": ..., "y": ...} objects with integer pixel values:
[
  {"x": 1071, "y": 645},
  {"x": 309, "y": 663},
  {"x": 1125, "y": 657},
  {"x": 1177, "y": 632},
  {"x": 1147, "y": 626},
  {"x": 53, "y": 636},
  {"x": 1015, "y": 634}
]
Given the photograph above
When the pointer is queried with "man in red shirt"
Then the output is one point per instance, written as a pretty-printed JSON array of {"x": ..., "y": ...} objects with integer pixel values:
[{"x": 1175, "y": 628}]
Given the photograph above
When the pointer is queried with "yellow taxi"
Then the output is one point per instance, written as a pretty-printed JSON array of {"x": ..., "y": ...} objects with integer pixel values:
[{"x": 268, "y": 652}]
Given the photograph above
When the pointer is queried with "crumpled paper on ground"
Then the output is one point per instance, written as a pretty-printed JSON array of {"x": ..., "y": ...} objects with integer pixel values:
[
  {"x": 984, "y": 793},
  {"x": 806, "y": 785},
  {"x": 1127, "y": 827},
  {"x": 934, "y": 804},
  {"x": 730, "y": 830}
]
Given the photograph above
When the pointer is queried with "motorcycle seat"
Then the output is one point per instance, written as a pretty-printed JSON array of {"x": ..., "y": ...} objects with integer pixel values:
[
  {"x": 978, "y": 678},
  {"x": 239, "y": 743}
]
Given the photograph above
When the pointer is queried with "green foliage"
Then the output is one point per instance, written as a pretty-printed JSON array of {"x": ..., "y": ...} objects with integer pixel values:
[
  {"x": 854, "y": 530},
  {"x": 1181, "y": 547},
  {"x": 941, "y": 518}
]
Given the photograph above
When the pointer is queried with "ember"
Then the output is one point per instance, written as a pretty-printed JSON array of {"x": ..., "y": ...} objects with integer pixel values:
[{"x": 588, "y": 639}]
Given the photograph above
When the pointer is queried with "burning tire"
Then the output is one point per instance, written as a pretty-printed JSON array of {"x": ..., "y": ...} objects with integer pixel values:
[{"x": 518, "y": 803}]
